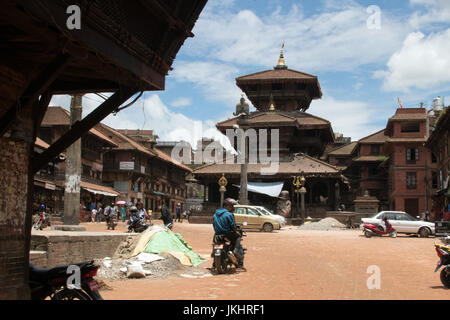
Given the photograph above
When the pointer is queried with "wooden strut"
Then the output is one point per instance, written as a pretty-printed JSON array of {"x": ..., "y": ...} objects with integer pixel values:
[
  {"x": 31, "y": 94},
  {"x": 81, "y": 127}
]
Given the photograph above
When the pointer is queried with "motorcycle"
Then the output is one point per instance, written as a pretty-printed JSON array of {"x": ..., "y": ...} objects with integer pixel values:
[
  {"x": 41, "y": 222},
  {"x": 223, "y": 257},
  {"x": 137, "y": 225},
  {"x": 377, "y": 230},
  {"x": 53, "y": 283},
  {"x": 443, "y": 252}
]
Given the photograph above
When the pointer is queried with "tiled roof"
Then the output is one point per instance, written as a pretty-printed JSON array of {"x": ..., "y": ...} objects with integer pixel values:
[
  {"x": 368, "y": 159},
  {"x": 278, "y": 117},
  {"x": 126, "y": 143},
  {"x": 377, "y": 137},
  {"x": 41, "y": 143},
  {"x": 408, "y": 116},
  {"x": 406, "y": 139},
  {"x": 300, "y": 163},
  {"x": 58, "y": 116},
  {"x": 344, "y": 150},
  {"x": 277, "y": 74}
]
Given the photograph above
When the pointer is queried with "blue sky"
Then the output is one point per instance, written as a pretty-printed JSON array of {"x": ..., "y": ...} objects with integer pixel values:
[{"x": 363, "y": 63}]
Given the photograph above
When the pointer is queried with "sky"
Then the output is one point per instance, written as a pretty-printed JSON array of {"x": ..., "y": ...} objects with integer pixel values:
[{"x": 366, "y": 55}]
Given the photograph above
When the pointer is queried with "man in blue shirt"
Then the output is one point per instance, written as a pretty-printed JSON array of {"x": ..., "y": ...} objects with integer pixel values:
[{"x": 225, "y": 225}]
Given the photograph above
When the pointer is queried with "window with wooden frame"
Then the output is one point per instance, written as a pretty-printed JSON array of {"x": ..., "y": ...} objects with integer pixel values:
[
  {"x": 412, "y": 155},
  {"x": 411, "y": 180}
]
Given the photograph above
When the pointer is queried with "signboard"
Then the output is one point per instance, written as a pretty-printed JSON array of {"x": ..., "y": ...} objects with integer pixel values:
[
  {"x": 126, "y": 165},
  {"x": 142, "y": 169}
]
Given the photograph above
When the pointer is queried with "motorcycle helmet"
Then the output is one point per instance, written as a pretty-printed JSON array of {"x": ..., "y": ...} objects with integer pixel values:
[
  {"x": 42, "y": 207},
  {"x": 133, "y": 209}
]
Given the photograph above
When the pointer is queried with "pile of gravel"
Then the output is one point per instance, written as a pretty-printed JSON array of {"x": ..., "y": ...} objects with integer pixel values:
[{"x": 324, "y": 225}]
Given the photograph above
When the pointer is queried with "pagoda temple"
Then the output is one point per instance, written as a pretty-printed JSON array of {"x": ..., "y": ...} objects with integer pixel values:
[{"x": 281, "y": 96}]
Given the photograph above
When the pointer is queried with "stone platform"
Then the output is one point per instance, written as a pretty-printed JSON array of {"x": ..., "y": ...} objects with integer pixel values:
[{"x": 52, "y": 248}]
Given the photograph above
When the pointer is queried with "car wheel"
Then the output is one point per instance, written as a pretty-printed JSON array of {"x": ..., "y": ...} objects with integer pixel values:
[
  {"x": 268, "y": 227},
  {"x": 424, "y": 232}
]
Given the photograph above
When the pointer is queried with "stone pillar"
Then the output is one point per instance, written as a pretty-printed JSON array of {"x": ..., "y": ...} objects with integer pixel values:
[
  {"x": 243, "y": 193},
  {"x": 16, "y": 206},
  {"x": 73, "y": 169}
]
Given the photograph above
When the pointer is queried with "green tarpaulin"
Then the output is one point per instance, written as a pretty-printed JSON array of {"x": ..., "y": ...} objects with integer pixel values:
[{"x": 168, "y": 241}]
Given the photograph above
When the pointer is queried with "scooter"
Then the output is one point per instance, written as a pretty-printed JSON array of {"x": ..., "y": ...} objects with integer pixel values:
[
  {"x": 377, "y": 230},
  {"x": 223, "y": 257},
  {"x": 443, "y": 252},
  {"x": 57, "y": 283}
]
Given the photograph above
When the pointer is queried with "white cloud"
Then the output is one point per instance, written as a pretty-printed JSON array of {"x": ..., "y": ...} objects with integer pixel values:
[
  {"x": 216, "y": 80},
  {"x": 335, "y": 40},
  {"x": 423, "y": 62},
  {"x": 354, "y": 119},
  {"x": 181, "y": 102},
  {"x": 437, "y": 11}
]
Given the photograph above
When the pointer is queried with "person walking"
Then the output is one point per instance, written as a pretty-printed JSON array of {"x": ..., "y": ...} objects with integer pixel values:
[
  {"x": 178, "y": 212},
  {"x": 166, "y": 216},
  {"x": 93, "y": 215},
  {"x": 98, "y": 218},
  {"x": 123, "y": 213}
]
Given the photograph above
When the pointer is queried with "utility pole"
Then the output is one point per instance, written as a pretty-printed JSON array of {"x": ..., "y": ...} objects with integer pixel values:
[{"x": 73, "y": 169}]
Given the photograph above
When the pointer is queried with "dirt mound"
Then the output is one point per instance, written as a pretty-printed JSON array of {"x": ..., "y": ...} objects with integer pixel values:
[{"x": 324, "y": 225}]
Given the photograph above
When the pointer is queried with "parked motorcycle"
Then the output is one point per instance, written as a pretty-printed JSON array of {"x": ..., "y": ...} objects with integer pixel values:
[
  {"x": 443, "y": 252},
  {"x": 223, "y": 257},
  {"x": 41, "y": 222},
  {"x": 53, "y": 283},
  {"x": 377, "y": 230}
]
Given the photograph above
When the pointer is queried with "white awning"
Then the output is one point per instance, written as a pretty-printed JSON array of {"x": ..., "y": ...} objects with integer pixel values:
[
  {"x": 108, "y": 194},
  {"x": 272, "y": 189}
]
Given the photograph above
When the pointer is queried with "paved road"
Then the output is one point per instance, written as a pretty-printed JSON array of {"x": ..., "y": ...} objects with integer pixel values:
[{"x": 294, "y": 264}]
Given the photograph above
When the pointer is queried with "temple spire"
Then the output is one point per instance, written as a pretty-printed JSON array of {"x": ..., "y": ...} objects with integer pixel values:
[{"x": 281, "y": 63}]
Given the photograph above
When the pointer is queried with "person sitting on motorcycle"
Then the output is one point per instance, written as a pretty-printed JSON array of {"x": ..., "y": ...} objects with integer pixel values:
[
  {"x": 387, "y": 224},
  {"x": 225, "y": 225}
]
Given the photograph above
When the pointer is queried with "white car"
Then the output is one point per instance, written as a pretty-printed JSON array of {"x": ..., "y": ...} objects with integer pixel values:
[
  {"x": 281, "y": 219},
  {"x": 403, "y": 223}
]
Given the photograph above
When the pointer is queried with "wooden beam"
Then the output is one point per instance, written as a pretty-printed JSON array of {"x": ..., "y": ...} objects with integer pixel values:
[
  {"x": 36, "y": 87},
  {"x": 90, "y": 36},
  {"x": 83, "y": 126}
]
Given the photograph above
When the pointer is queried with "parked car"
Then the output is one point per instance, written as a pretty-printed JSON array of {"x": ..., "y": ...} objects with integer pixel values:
[
  {"x": 248, "y": 217},
  {"x": 281, "y": 219},
  {"x": 403, "y": 223}
]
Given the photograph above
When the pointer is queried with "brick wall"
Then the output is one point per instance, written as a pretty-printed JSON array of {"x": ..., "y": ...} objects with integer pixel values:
[
  {"x": 74, "y": 247},
  {"x": 13, "y": 207}
]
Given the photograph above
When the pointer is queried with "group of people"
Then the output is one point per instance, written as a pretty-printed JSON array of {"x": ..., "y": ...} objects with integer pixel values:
[{"x": 121, "y": 212}]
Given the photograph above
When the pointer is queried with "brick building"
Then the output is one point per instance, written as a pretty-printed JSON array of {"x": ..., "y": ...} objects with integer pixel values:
[
  {"x": 439, "y": 144},
  {"x": 362, "y": 162},
  {"x": 411, "y": 165},
  {"x": 141, "y": 172}
]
